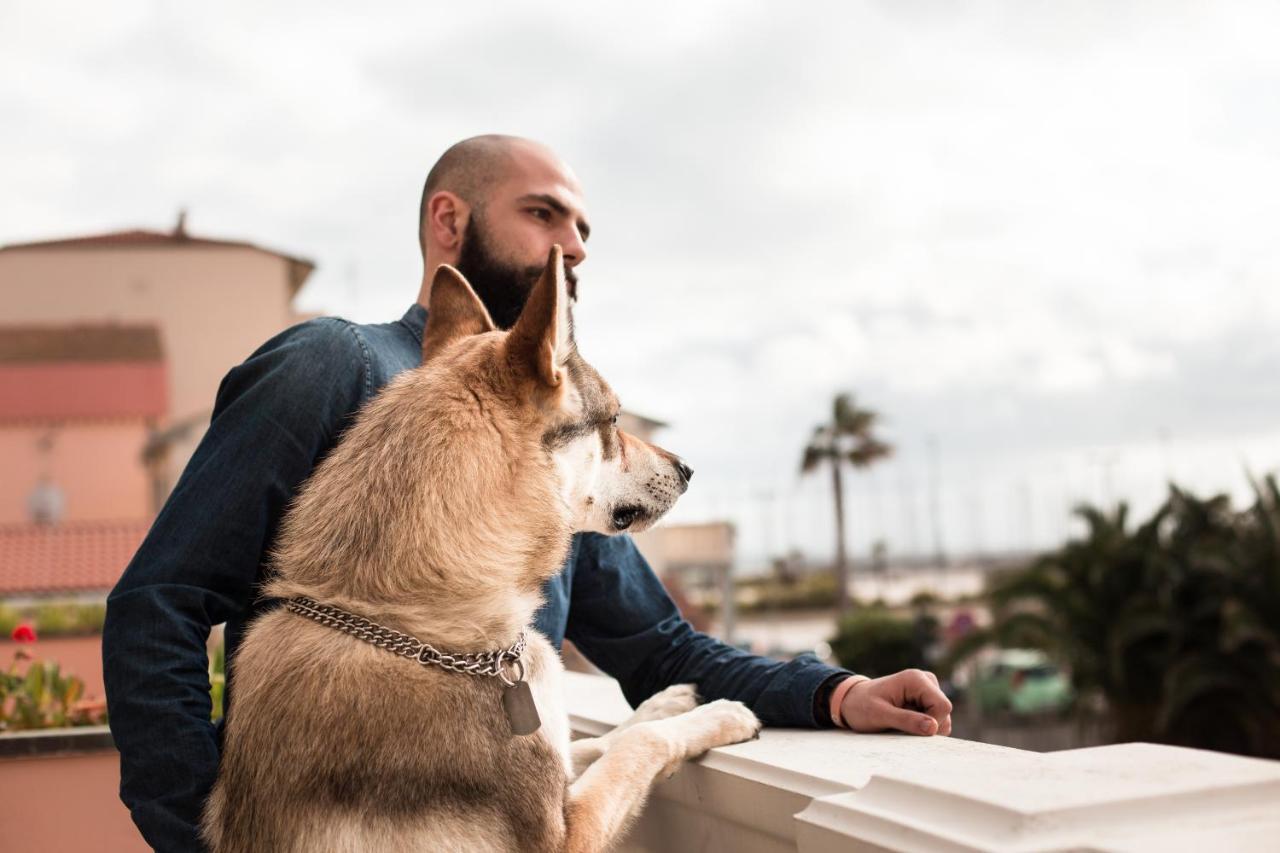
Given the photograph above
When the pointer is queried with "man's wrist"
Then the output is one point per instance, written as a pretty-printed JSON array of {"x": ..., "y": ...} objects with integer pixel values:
[
  {"x": 822, "y": 698},
  {"x": 838, "y": 696}
]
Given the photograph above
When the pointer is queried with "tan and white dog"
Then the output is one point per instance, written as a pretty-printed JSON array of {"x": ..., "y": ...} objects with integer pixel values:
[{"x": 443, "y": 510}]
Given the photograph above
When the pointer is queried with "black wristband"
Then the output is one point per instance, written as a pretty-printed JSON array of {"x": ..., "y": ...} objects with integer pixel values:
[{"x": 822, "y": 700}]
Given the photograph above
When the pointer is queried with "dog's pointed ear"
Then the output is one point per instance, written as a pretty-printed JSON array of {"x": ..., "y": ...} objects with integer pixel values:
[
  {"x": 454, "y": 311},
  {"x": 543, "y": 336}
]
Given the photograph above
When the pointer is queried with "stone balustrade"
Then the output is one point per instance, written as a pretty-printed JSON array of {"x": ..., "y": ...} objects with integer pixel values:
[
  {"x": 791, "y": 790},
  {"x": 821, "y": 792}
]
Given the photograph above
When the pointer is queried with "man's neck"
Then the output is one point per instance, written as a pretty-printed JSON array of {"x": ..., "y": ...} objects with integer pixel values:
[{"x": 432, "y": 261}]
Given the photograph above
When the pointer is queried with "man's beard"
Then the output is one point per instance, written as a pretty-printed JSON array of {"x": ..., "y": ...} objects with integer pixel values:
[{"x": 502, "y": 287}]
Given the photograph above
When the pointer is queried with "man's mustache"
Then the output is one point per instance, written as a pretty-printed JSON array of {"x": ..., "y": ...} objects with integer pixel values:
[{"x": 570, "y": 279}]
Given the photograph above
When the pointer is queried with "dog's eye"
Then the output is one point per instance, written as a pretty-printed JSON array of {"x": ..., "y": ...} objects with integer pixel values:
[{"x": 614, "y": 420}]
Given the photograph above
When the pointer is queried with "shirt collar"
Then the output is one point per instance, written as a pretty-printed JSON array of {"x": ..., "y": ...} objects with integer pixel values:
[{"x": 415, "y": 320}]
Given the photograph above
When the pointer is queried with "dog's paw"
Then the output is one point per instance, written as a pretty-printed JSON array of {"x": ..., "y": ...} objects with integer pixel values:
[
  {"x": 717, "y": 723},
  {"x": 676, "y": 699}
]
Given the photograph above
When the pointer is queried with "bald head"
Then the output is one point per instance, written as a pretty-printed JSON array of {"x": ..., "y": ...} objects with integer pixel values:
[
  {"x": 470, "y": 169},
  {"x": 499, "y": 203}
]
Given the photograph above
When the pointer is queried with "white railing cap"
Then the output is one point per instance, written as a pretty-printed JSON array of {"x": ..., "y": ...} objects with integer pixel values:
[{"x": 823, "y": 791}]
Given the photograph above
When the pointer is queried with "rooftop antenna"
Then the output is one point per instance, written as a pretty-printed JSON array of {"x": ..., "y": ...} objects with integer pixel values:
[
  {"x": 935, "y": 502},
  {"x": 907, "y": 503}
]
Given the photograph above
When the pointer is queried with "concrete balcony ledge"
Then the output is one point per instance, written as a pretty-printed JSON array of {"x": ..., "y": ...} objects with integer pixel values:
[
  {"x": 826, "y": 791},
  {"x": 55, "y": 741}
]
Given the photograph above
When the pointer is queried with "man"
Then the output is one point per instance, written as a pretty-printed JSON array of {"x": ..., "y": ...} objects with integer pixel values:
[{"x": 492, "y": 206}]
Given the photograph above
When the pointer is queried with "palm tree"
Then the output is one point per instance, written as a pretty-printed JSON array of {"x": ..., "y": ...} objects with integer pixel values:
[{"x": 846, "y": 438}]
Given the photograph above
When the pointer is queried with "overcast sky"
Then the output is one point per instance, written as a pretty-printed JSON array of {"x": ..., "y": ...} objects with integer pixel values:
[{"x": 1041, "y": 234}]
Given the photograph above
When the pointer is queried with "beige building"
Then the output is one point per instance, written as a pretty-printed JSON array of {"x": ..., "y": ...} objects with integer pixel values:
[
  {"x": 212, "y": 302},
  {"x": 677, "y": 549},
  {"x": 112, "y": 348}
]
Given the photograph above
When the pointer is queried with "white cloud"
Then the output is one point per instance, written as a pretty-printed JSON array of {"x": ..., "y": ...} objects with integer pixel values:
[{"x": 1030, "y": 226}]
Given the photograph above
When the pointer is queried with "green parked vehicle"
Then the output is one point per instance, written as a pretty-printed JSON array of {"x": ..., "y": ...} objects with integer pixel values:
[{"x": 1020, "y": 681}]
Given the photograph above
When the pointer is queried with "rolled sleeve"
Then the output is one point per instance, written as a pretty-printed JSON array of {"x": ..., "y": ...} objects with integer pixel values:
[{"x": 623, "y": 620}]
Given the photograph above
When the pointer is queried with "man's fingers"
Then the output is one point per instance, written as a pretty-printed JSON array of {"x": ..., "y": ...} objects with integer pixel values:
[
  {"x": 908, "y": 701},
  {"x": 927, "y": 694},
  {"x": 923, "y": 692},
  {"x": 911, "y": 722}
]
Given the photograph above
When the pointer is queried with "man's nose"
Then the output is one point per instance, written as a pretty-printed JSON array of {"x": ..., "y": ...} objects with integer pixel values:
[{"x": 575, "y": 250}]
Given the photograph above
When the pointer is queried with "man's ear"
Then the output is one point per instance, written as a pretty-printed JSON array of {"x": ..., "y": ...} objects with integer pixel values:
[
  {"x": 445, "y": 221},
  {"x": 454, "y": 312},
  {"x": 543, "y": 336}
]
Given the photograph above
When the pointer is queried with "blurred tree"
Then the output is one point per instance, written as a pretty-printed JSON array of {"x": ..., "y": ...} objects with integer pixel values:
[
  {"x": 1222, "y": 685},
  {"x": 847, "y": 438},
  {"x": 874, "y": 642},
  {"x": 1175, "y": 624}
]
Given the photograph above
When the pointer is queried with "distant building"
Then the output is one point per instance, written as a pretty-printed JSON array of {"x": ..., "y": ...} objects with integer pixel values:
[
  {"x": 699, "y": 553},
  {"x": 112, "y": 348},
  {"x": 694, "y": 561},
  {"x": 77, "y": 406},
  {"x": 211, "y": 303}
]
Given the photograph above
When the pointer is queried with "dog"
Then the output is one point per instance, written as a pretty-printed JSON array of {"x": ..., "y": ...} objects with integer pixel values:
[{"x": 439, "y": 515}]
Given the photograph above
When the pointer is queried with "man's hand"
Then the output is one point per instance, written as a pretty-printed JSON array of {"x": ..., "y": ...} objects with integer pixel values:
[{"x": 909, "y": 701}]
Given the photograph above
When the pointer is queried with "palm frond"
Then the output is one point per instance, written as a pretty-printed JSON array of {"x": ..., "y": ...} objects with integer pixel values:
[
  {"x": 849, "y": 420},
  {"x": 867, "y": 452},
  {"x": 814, "y": 456}
]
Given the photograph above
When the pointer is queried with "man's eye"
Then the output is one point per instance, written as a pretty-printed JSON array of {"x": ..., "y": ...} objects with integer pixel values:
[{"x": 541, "y": 213}]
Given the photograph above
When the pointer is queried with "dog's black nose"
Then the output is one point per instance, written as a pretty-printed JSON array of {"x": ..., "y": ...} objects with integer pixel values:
[{"x": 686, "y": 472}]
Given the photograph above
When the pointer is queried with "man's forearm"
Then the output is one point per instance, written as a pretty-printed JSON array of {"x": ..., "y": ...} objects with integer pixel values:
[
  {"x": 158, "y": 700},
  {"x": 624, "y": 621},
  {"x": 781, "y": 693}
]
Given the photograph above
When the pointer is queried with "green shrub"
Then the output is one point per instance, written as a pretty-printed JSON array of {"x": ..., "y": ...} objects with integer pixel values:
[
  {"x": 874, "y": 642},
  {"x": 805, "y": 593},
  {"x": 10, "y": 617},
  {"x": 66, "y": 619},
  {"x": 41, "y": 697},
  {"x": 217, "y": 680}
]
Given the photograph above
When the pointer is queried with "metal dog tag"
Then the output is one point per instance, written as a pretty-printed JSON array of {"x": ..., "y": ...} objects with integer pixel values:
[{"x": 522, "y": 713}]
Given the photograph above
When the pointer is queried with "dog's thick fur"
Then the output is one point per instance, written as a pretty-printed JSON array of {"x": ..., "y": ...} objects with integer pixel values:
[{"x": 443, "y": 510}]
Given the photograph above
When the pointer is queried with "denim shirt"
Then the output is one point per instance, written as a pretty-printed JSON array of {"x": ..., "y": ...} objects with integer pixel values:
[{"x": 276, "y": 416}]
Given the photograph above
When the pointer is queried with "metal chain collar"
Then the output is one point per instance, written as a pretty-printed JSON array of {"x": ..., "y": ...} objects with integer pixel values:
[{"x": 408, "y": 646}]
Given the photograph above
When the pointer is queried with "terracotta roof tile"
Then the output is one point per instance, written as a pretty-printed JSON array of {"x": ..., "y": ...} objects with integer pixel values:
[
  {"x": 98, "y": 342},
  {"x": 86, "y": 556}
]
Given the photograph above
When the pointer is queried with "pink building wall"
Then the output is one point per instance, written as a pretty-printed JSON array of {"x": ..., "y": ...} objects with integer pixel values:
[
  {"x": 65, "y": 389},
  {"x": 97, "y": 464},
  {"x": 213, "y": 305},
  {"x": 65, "y": 803}
]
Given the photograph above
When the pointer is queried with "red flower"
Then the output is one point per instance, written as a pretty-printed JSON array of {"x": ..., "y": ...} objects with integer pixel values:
[{"x": 24, "y": 633}]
